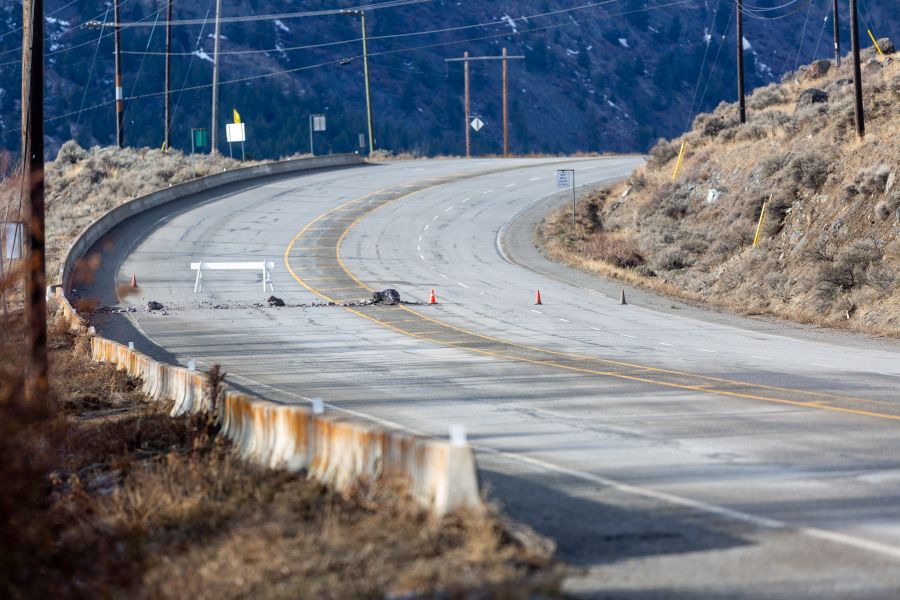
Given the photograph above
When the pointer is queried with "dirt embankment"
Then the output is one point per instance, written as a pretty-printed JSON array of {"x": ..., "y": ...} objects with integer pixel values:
[
  {"x": 105, "y": 495},
  {"x": 829, "y": 249}
]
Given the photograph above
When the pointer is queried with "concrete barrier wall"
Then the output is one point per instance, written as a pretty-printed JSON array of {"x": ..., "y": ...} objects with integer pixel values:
[
  {"x": 337, "y": 451},
  {"x": 104, "y": 224},
  {"x": 334, "y": 450}
]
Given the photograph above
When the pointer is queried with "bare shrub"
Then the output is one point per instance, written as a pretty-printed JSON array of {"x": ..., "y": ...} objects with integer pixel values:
[
  {"x": 848, "y": 267},
  {"x": 750, "y": 132},
  {"x": 772, "y": 163},
  {"x": 617, "y": 249},
  {"x": 672, "y": 259},
  {"x": 868, "y": 182},
  {"x": 637, "y": 181},
  {"x": 767, "y": 96},
  {"x": 711, "y": 125},
  {"x": 70, "y": 153},
  {"x": 662, "y": 152},
  {"x": 809, "y": 169}
]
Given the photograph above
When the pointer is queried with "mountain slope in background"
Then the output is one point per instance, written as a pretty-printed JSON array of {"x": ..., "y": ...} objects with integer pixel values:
[{"x": 610, "y": 76}]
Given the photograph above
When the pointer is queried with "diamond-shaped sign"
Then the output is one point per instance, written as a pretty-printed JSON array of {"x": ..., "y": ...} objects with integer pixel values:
[{"x": 477, "y": 124}]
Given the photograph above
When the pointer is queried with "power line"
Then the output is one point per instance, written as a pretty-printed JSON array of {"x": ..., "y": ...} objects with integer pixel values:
[
  {"x": 280, "y": 16},
  {"x": 339, "y": 61}
]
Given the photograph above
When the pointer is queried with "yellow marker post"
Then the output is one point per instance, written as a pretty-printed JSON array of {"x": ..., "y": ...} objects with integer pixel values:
[
  {"x": 762, "y": 218},
  {"x": 680, "y": 157},
  {"x": 877, "y": 47}
]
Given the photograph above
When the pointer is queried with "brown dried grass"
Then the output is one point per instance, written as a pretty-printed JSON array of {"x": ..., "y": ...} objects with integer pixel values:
[
  {"x": 105, "y": 495},
  {"x": 828, "y": 190}
]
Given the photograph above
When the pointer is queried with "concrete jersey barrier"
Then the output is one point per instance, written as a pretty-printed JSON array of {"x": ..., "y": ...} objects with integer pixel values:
[
  {"x": 337, "y": 451},
  {"x": 334, "y": 450}
]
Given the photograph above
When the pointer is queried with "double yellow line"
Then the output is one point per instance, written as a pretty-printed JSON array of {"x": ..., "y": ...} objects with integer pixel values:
[{"x": 817, "y": 404}]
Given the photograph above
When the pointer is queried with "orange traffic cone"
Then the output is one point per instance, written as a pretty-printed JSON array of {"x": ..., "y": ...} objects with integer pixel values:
[
  {"x": 537, "y": 299},
  {"x": 432, "y": 299},
  {"x": 134, "y": 280},
  {"x": 622, "y": 299}
]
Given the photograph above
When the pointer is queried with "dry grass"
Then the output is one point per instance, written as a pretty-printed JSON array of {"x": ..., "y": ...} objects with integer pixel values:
[
  {"x": 105, "y": 495},
  {"x": 827, "y": 254}
]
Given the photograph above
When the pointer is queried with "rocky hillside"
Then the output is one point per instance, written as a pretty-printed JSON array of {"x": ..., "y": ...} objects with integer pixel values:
[
  {"x": 829, "y": 249},
  {"x": 606, "y": 76}
]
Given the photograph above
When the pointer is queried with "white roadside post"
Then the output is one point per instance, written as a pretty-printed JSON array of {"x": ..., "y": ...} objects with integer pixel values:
[{"x": 565, "y": 178}]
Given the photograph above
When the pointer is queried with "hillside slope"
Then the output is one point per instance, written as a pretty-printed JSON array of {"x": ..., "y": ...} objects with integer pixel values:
[
  {"x": 829, "y": 251},
  {"x": 611, "y": 76}
]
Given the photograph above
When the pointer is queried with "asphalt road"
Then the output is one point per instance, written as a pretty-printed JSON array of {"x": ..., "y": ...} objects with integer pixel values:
[{"x": 670, "y": 450}]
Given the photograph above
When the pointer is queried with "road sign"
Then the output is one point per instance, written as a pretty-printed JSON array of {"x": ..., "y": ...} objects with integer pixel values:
[
  {"x": 199, "y": 138},
  {"x": 362, "y": 141},
  {"x": 564, "y": 179},
  {"x": 235, "y": 132},
  {"x": 318, "y": 122},
  {"x": 477, "y": 124}
]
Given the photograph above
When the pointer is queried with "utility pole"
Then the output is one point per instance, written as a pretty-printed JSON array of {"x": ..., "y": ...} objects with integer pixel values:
[
  {"x": 36, "y": 382},
  {"x": 215, "y": 84},
  {"x": 465, "y": 60},
  {"x": 168, "y": 98},
  {"x": 365, "y": 44},
  {"x": 120, "y": 98},
  {"x": 742, "y": 107},
  {"x": 467, "y": 111},
  {"x": 362, "y": 16},
  {"x": 857, "y": 76},
  {"x": 505, "y": 106},
  {"x": 837, "y": 34}
]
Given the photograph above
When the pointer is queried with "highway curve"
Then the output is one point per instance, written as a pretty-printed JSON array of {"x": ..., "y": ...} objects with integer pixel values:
[{"x": 671, "y": 451}]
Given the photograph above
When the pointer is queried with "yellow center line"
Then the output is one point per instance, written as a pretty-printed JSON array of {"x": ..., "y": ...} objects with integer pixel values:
[{"x": 705, "y": 388}]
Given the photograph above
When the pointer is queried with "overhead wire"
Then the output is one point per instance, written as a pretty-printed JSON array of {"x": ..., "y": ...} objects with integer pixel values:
[
  {"x": 703, "y": 62},
  {"x": 281, "y": 16},
  {"x": 712, "y": 69},
  {"x": 90, "y": 76},
  {"x": 802, "y": 35},
  {"x": 396, "y": 51}
]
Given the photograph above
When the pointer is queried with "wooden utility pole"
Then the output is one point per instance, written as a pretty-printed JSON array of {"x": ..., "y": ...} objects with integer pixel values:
[
  {"x": 36, "y": 382},
  {"x": 857, "y": 76},
  {"x": 505, "y": 106},
  {"x": 120, "y": 98},
  {"x": 504, "y": 57},
  {"x": 742, "y": 106},
  {"x": 837, "y": 34},
  {"x": 467, "y": 111},
  {"x": 168, "y": 99},
  {"x": 214, "y": 129},
  {"x": 365, "y": 43}
]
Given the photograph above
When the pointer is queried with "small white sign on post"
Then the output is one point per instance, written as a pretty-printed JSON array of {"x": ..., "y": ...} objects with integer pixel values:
[
  {"x": 235, "y": 132},
  {"x": 563, "y": 179},
  {"x": 477, "y": 124},
  {"x": 318, "y": 122}
]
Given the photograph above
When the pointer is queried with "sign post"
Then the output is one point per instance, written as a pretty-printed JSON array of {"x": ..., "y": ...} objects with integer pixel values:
[
  {"x": 198, "y": 140},
  {"x": 236, "y": 132},
  {"x": 565, "y": 178},
  {"x": 316, "y": 123}
]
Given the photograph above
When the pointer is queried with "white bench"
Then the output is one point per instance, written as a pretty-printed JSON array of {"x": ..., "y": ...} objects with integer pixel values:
[{"x": 266, "y": 267}]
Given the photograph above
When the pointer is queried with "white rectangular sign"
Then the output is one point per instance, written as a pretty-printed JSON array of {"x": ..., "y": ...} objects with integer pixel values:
[
  {"x": 12, "y": 241},
  {"x": 235, "y": 132},
  {"x": 318, "y": 122},
  {"x": 564, "y": 179}
]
